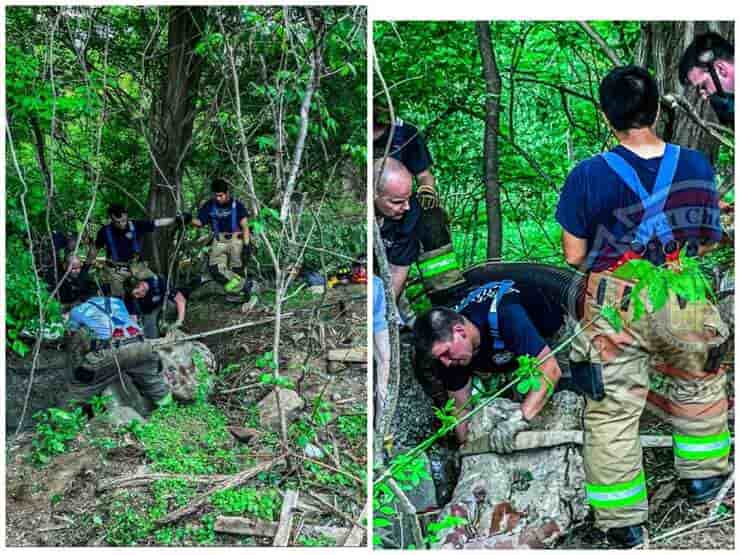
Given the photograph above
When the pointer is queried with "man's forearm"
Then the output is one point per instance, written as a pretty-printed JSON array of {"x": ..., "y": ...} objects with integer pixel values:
[
  {"x": 536, "y": 399},
  {"x": 425, "y": 178},
  {"x": 398, "y": 278},
  {"x": 180, "y": 304}
]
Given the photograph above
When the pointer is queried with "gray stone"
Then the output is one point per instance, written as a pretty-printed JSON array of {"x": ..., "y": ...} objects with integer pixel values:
[
  {"x": 179, "y": 369},
  {"x": 525, "y": 499},
  {"x": 114, "y": 417},
  {"x": 290, "y": 402}
]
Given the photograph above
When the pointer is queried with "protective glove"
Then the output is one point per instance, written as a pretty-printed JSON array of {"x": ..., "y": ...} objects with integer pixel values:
[
  {"x": 247, "y": 248},
  {"x": 428, "y": 197},
  {"x": 502, "y": 438},
  {"x": 184, "y": 218}
]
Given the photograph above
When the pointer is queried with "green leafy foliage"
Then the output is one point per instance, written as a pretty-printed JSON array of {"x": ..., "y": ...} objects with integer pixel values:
[
  {"x": 263, "y": 503},
  {"x": 189, "y": 439},
  {"x": 686, "y": 280},
  {"x": 611, "y": 315},
  {"x": 55, "y": 428},
  {"x": 529, "y": 374}
]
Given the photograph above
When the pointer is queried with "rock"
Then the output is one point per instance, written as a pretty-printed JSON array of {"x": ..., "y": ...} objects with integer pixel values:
[
  {"x": 311, "y": 451},
  {"x": 291, "y": 403},
  {"x": 114, "y": 417},
  {"x": 245, "y": 435},
  {"x": 181, "y": 371},
  {"x": 525, "y": 499}
]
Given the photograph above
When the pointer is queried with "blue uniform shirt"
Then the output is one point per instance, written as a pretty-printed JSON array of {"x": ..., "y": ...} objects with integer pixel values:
[
  {"x": 408, "y": 147},
  {"x": 596, "y": 205},
  {"x": 402, "y": 238},
  {"x": 123, "y": 239},
  {"x": 520, "y": 334},
  {"x": 223, "y": 215},
  {"x": 93, "y": 315}
]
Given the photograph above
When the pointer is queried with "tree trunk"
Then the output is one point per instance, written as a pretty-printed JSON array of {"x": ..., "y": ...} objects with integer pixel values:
[
  {"x": 172, "y": 119},
  {"x": 660, "y": 48},
  {"x": 490, "y": 138}
]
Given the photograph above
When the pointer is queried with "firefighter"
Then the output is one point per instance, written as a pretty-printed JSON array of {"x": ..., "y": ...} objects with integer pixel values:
[
  {"x": 644, "y": 199},
  {"x": 228, "y": 220},
  {"x": 122, "y": 241}
]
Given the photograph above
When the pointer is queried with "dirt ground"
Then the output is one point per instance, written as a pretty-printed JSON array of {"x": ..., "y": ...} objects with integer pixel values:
[{"x": 67, "y": 502}]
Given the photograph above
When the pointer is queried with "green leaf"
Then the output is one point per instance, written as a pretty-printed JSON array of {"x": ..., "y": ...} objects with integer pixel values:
[
  {"x": 523, "y": 386},
  {"x": 611, "y": 315},
  {"x": 381, "y": 523},
  {"x": 658, "y": 292}
]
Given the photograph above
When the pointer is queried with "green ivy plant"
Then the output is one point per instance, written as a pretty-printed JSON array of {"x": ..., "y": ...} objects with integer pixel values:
[{"x": 55, "y": 429}]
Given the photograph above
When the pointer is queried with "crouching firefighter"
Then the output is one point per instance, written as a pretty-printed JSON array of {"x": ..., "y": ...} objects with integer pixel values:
[
  {"x": 106, "y": 344},
  {"x": 643, "y": 200},
  {"x": 122, "y": 241},
  {"x": 230, "y": 241},
  {"x": 485, "y": 333}
]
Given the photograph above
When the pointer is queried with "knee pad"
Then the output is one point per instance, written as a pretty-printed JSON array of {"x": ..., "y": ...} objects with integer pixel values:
[
  {"x": 587, "y": 379},
  {"x": 217, "y": 275}
]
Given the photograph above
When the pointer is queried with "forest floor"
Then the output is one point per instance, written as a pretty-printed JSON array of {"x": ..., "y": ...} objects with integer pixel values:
[{"x": 184, "y": 455}]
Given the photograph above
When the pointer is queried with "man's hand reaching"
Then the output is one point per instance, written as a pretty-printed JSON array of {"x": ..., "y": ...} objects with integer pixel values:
[{"x": 502, "y": 438}]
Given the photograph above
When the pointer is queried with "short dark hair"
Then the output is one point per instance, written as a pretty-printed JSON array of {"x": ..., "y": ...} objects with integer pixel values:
[
  {"x": 219, "y": 185},
  {"x": 629, "y": 98},
  {"x": 721, "y": 49},
  {"x": 117, "y": 210},
  {"x": 433, "y": 326}
]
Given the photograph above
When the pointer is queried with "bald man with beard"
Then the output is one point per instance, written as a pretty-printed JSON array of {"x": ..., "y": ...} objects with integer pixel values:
[{"x": 398, "y": 214}]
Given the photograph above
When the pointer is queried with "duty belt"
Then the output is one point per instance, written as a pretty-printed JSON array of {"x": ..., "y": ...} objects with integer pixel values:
[
  {"x": 228, "y": 236},
  {"x": 103, "y": 344}
]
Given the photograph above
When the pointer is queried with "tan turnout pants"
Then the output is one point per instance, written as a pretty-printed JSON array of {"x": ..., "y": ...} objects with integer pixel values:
[
  {"x": 225, "y": 260},
  {"x": 673, "y": 344}
]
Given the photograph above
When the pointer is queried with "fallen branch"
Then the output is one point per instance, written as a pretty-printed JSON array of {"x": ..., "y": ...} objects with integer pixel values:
[
  {"x": 354, "y": 538},
  {"x": 332, "y": 468},
  {"x": 144, "y": 479},
  {"x": 282, "y": 535},
  {"x": 722, "y": 493},
  {"x": 407, "y": 509},
  {"x": 244, "y": 527},
  {"x": 172, "y": 341},
  {"x": 691, "y": 526},
  {"x": 330, "y": 507},
  {"x": 233, "y": 482}
]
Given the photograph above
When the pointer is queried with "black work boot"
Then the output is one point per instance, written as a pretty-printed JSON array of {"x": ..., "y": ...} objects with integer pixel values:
[
  {"x": 626, "y": 536},
  {"x": 702, "y": 490}
]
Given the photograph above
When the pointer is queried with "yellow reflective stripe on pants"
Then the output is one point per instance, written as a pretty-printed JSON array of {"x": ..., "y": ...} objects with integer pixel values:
[
  {"x": 617, "y": 495},
  {"x": 702, "y": 447}
]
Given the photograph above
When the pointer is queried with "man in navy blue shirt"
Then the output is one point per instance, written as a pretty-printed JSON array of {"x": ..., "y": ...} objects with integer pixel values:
[
  {"x": 122, "y": 240},
  {"x": 486, "y": 332},
  {"x": 645, "y": 199},
  {"x": 398, "y": 214},
  {"x": 227, "y": 218},
  {"x": 408, "y": 147}
]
